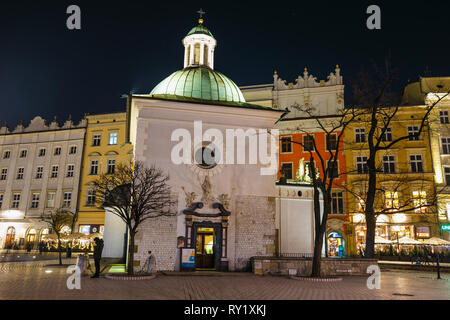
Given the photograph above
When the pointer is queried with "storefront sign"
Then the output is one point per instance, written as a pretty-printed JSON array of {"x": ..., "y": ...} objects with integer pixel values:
[
  {"x": 188, "y": 258},
  {"x": 422, "y": 232},
  {"x": 445, "y": 227}
]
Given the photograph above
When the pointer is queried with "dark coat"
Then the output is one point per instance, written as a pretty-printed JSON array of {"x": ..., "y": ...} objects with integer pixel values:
[{"x": 98, "y": 248}]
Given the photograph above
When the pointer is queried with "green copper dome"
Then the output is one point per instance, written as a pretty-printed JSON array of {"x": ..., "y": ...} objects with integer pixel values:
[
  {"x": 199, "y": 82},
  {"x": 200, "y": 29}
]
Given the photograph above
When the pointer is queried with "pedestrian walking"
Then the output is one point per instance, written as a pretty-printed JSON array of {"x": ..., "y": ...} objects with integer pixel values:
[{"x": 98, "y": 248}]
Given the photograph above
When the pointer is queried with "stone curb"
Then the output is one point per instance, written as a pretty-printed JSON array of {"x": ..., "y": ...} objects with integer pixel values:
[
  {"x": 316, "y": 279},
  {"x": 116, "y": 277}
]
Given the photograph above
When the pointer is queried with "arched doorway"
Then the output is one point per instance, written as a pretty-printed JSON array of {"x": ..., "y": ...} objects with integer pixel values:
[
  {"x": 10, "y": 236},
  {"x": 31, "y": 237},
  {"x": 336, "y": 244},
  {"x": 44, "y": 234}
]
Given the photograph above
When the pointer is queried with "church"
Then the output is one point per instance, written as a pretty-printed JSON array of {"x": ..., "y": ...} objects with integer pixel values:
[{"x": 228, "y": 206}]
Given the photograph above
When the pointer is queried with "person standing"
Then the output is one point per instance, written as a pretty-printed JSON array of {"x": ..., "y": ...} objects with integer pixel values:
[{"x": 98, "y": 248}]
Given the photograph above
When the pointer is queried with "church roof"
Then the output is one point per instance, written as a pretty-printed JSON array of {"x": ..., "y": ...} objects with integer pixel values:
[
  {"x": 200, "y": 82},
  {"x": 200, "y": 29}
]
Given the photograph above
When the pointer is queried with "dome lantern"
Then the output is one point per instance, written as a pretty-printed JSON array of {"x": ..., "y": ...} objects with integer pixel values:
[{"x": 199, "y": 46}]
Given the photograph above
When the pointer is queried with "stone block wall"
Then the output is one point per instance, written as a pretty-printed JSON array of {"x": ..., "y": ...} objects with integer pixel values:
[
  {"x": 158, "y": 235},
  {"x": 253, "y": 229},
  {"x": 329, "y": 266}
]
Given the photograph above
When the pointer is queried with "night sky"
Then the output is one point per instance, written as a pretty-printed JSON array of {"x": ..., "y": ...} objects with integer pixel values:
[{"x": 130, "y": 46}]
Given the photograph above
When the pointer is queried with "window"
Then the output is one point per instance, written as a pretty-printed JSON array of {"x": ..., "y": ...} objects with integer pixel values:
[
  {"x": 391, "y": 200},
  {"x": 337, "y": 203},
  {"x": 20, "y": 172},
  {"x": 96, "y": 140},
  {"x": 420, "y": 201},
  {"x": 111, "y": 166},
  {"x": 6, "y": 154},
  {"x": 70, "y": 170},
  {"x": 54, "y": 173},
  {"x": 23, "y": 153},
  {"x": 416, "y": 163},
  {"x": 360, "y": 135},
  {"x": 361, "y": 165},
  {"x": 39, "y": 172},
  {"x": 445, "y": 145},
  {"x": 4, "y": 174},
  {"x": 94, "y": 167},
  {"x": 308, "y": 143},
  {"x": 333, "y": 169},
  {"x": 1, "y": 200},
  {"x": 51, "y": 199},
  {"x": 286, "y": 170},
  {"x": 42, "y": 152},
  {"x": 113, "y": 138},
  {"x": 91, "y": 197},
  {"x": 443, "y": 115},
  {"x": 16, "y": 201},
  {"x": 389, "y": 164},
  {"x": 286, "y": 145},
  {"x": 387, "y": 135},
  {"x": 35, "y": 200},
  {"x": 412, "y": 133},
  {"x": 57, "y": 151},
  {"x": 67, "y": 199},
  {"x": 73, "y": 150},
  {"x": 447, "y": 175},
  {"x": 332, "y": 142}
]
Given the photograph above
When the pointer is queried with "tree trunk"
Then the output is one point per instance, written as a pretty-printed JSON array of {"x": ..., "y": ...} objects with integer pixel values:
[
  {"x": 319, "y": 233},
  {"x": 130, "y": 267},
  {"x": 370, "y": 211},
  {"x": 59, "y": 250}
]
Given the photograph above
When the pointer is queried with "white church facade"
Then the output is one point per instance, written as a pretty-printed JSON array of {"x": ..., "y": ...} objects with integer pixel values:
[{"x": 228, "y": 209}]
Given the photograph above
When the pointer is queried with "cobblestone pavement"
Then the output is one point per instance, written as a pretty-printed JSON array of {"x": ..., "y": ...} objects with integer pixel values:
[{"x": 31, "y": 281}]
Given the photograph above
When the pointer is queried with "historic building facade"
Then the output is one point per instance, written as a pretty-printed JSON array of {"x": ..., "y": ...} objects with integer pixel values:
[
  {"x": 104, "y": 149},
  {"x": 309, "y": 102},
  {"x": 405, "y": 190},
  {"x": 40, "y": 172}
]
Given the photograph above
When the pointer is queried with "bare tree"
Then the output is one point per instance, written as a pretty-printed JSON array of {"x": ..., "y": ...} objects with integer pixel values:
[
  {"x": 333, "y": 128},
  {"x": 57, "y": 220},
  {"x": 381, "y": 105},
  {"x": 135, "y": 195}
]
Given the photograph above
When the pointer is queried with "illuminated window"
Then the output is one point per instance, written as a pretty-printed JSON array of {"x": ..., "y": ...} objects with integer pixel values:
[
  {"x": 113, "y": 138},
  {"x": 86, "y": 229},
  {"x": 420, "y": 201},
  {"x": 51, "y": 199},
  {"x": 197, "y": 53},
  {"x": 391, "y": 200},
  {"x": 286, "y": 145},
  {"x": 205, "y": 55}
]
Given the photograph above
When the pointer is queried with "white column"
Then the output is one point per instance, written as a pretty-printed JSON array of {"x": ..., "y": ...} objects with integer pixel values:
[
  {"x": 211, "y": 59},
  {"x": 191, "y": 58},
  {"x": 202, "y": 53},
  {"x": 186, "y": 56}
]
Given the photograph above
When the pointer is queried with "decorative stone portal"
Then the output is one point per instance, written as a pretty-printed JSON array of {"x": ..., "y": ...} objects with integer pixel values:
[{"x": 207, "y": 234}]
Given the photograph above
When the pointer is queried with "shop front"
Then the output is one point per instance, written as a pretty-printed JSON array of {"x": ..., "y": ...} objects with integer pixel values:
[{"x": 335, "y": 244}]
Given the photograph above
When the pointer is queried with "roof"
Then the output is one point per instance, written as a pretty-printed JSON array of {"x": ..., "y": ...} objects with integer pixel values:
[
  {"x": 200, "y": 29},
  {"x": 200, "y": 82},
  {"x": 415, "y": 93}
]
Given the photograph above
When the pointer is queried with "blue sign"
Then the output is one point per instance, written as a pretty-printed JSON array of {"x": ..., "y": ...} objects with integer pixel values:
[{"x": 188, "y": 258}]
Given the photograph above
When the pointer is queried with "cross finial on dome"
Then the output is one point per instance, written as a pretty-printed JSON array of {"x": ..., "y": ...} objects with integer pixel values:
[{"x": 201, "y": 13}]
